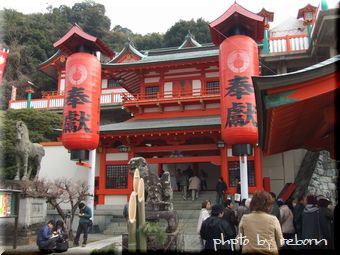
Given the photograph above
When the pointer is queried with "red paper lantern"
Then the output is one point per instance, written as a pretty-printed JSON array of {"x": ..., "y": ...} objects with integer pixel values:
[
  {"x": 238, "y": 61},
  {"x": 81, "y": 102}
]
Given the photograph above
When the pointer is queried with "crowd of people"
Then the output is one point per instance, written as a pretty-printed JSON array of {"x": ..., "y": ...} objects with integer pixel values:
[{"x": 264, "y": 224}]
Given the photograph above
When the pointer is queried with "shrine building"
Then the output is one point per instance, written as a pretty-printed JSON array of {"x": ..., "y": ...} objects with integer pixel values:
[{"x": 165, "y": 104}]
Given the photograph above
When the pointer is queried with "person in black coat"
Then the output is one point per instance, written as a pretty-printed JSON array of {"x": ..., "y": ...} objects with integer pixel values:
[
  {"x": 326, "y": 221},
  {"x": 297, "y": 213},
  {"x": 62, "y": 240},
  {"x": 221, "y": 187},
  {"x": 213, "y": 227},
  {"x": 230, "y": 216},
  {"x": 275, "y": 208},
  {"x": 311, "y": 228}
]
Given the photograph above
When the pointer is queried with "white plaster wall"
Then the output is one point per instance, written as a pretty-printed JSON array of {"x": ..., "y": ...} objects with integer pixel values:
[
  {"x": 104, "y": 83},
  {"x": 151, "y": 110},
  {"x": 196, "y": 87},
  {"x": 212, "y": 74},
  {"x": 62, "y": 84},
  {"x": 153, "y": 79},
  {"x": 116, "y": 199},
  {"x": 115, "y": 90},
  {"x": 211, "y": 106},
  {"x": 57, "y": 164},
  {"x": 282, "y": 168},
  {"x": 168, "y": 89},
  {"x": 193, "y": 107},
  {"x": 117, "y": 156}
]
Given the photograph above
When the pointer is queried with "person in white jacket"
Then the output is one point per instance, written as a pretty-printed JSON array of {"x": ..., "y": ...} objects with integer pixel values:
[
  {"x": 286, "y": 220},
  {"x": 204, "y": 214},
  {"x": 194, "y": 186}
]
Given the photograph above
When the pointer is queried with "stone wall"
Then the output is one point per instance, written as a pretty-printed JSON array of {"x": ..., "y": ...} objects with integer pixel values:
[
  {"x": 317, "y": 176},
  {"x": 324, "y": 178}
]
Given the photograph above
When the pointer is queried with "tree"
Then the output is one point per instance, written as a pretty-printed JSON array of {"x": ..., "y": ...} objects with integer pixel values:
[
  {"x": 41, "y": 126},
  {"x": 58, "y": 193},
  {"x": 176, "y": 34},
  {"x": 148, "y": 41},
  {"x": 30, "y": 39},
  {"x": 91, "y": 17}
]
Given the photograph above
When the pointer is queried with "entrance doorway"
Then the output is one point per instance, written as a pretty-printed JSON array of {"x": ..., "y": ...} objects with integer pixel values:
[{"x": 212, "y": 172}]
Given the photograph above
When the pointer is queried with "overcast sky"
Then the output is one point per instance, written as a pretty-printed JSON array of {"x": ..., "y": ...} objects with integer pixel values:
[{"x": 147, "y": 16}]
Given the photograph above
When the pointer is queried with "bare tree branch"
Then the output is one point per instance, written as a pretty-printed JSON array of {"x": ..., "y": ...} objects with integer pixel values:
[{"x": 59, "y": 193}]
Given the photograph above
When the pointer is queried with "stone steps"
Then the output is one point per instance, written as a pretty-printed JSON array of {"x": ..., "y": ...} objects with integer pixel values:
[{"x": 187, "y": 210}]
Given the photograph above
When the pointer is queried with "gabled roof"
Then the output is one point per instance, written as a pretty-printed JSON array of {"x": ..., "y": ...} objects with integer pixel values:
[
  {"x": 236, "y": 17},
  {"x": 51, "y": 65},
  {"x": 128, "y": 54},
  {"x": 189, "y": 41},
  {"x": 76, "y": 37},
  {"x": 130, "y": 72},
  {"x": 307, "y": 8},
  {"x": 297, "y": 110},
  {"x": 266, "y": 14}
]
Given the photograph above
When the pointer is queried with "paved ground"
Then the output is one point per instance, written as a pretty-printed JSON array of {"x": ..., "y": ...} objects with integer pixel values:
[{"x": 95, "y": 241}]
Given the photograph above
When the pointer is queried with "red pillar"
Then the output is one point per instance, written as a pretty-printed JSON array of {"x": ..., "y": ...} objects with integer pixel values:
[
  {"x": 224, "y": 173},
  {"x": 131, "y": 154},
  {"x": 102, "y": 177},
  {"x": 258, "y": 168}
]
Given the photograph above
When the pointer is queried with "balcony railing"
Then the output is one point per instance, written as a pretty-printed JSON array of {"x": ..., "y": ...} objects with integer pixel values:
[
  {"x": 288, "y": 43},
  {"x": 184, "y": 95},
  {"x": 52, "y": 100},
  {"x": 56, "y": 101}
]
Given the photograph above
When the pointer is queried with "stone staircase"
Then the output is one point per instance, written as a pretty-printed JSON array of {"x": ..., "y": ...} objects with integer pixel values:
[{"x": 188, "y": 212}]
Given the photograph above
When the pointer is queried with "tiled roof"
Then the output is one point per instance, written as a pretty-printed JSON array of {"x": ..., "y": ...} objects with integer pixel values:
[
  {"x": 170, "y": 57},
  {"x": 162, "y": 124}
]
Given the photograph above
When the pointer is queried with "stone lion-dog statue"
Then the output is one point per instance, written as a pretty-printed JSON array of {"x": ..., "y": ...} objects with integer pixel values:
[{"x": 158, "y": 194}]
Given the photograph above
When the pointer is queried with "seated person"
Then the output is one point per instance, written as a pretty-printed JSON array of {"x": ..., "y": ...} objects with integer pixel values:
[
  {"x": 46, "y": 240},
  {"x": 62, "y": 240}
]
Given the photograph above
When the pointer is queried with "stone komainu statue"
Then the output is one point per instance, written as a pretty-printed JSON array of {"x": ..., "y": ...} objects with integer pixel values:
[
  {"x": 28, "y": 154},
  {"x": 158, "y": 193},
  {"x": 158, "y": 190}
]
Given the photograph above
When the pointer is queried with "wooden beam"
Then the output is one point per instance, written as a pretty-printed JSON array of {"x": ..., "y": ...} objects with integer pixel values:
[
  {"x": 195, "y": 147},
  {"x": 209, "y": 159}
]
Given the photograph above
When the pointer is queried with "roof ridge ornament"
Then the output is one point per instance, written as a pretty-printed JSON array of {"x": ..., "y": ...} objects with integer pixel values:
[
  {"x": 131, "y": 42},
  {"x": 189, "y": 41}
]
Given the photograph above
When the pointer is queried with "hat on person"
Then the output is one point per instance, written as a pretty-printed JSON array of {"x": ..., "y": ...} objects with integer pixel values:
[
  {"x": 322, "y": 197},
  {"x": 280, "y": 202},
  {"x": 311, "y": 200},
  {"x": 216, "y": 210},
  {"x": 82, "y": 204},
  {"x": 323, "y": 201}
]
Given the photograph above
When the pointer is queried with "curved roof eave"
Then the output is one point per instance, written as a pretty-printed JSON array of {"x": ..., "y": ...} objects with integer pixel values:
[
  {"x": 127, "y": 48},
  {"x": 166, "y": 59}
]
